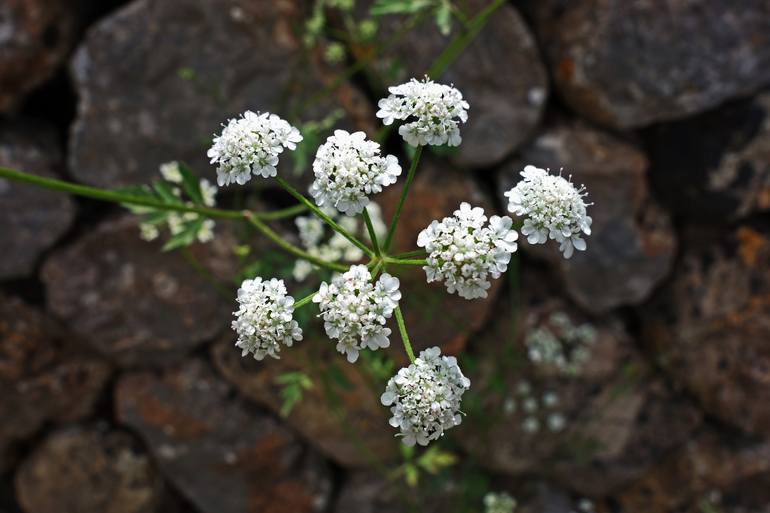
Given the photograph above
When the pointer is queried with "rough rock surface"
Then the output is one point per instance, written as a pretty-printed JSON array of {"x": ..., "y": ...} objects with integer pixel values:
[
  {"x": 156, "y": 80},
  {"x": 35, "y": 38},
  {"x": 711, "y": 327},
  {"x": 628, "y": 64},
  {"x": 715, "y": 167},
  {"x": 712, "y": 472},
  {"x": 134, "y": 303},
  {"x": 46, "y": 377},
  {"x": 618, "y": 418},
  {"x": 500, "y": 74},
  {"x": 219, "y": 452},
  {"x": 86, "y": 470},
  {"x": 632, "y": 245},
  {"x": 341, "y": 414},
  {"x": 33, "y": 218},
  {"x": 433, "y": 316}
]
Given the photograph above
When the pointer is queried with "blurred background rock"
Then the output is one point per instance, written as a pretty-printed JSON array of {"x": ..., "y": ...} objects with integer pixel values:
[{"x": 122, "y": 391}]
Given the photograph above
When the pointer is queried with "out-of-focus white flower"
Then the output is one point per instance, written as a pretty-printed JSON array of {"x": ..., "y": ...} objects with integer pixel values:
[
  {"x": 170, "y": 172},
  {"x": 464, "y": 251},
  {"x": 148, "y": 231},
  {"x": 553, "y": 208},
  {"x": 337, "y": 248},
  {"x": 264, "y": 319},
  {"x": 250, "y": 145},
  {"x": 348, "y": 168},
  {"x": 208, "y": 193},
  {"x": 436, "y": 107},
  {"x": 499, "y": 503},
  {"x": 355, "y": 309},
  {"x": 425, "y": 397},
  {"x": 557, "y": 342}
]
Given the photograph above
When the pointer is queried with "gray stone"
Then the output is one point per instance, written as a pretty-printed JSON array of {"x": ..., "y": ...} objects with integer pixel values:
[
  {"x": 711, "y": 325},
  {"x": 714, "y": 167},
  {"x": 47, "y": 377},
  {"x": 632, "y": 245},
  {"x": 135, "y": 303},
  {"x": 607, "y": 419},
  {"x": 89, "y": 470},
  {"x": 33, "y": 218},
  {"x": 156, "y": 80},
  {"x": 35, "y": 39},
  {"x": 221, "y": 454},
  {"x": 629, "y": 64}
]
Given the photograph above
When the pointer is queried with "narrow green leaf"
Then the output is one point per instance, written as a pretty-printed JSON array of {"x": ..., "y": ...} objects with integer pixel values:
[
  {"x": 165, "y": 192},
  {"x": 191, "y": 184},
  {"x": 185, "y": 237}
]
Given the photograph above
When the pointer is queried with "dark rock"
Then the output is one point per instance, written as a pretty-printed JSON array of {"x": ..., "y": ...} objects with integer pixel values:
[
  {"x": 33, "y": 218},
  {"x": 84, "y": 470},
  {"x": 628, "y": 64},
  {"x": 369, "y": 492},
  {"x": 35, "y": 38},
  {"x": 433, "y": 316},
  {"x": 46, "y": 377},
  {"x": 341, "y": 414},
  {"x": 710, "y": 473},
  {"x": 222, "y": 455},
  {"x": 632, "y": 245},
  {"x": 499, "y": 73},
  {"x": 156, "y": 80},
  {"x": 605, "y": 417},
  {"x": 134, "y": 303},
  {"x": 710, "y": 327},
  {"x": 715, "y": 167}
]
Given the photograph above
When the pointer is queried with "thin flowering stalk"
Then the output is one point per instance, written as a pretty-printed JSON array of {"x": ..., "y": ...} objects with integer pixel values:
[
  {"x": 328, "y": 220},
  {"x": 402, "y": 199},
  {"x": 406, "y": 261},
  {"x": 305, "y": 300},
  {"x": 128, "y": 199},
  {"x": 291, "y": 248},
  {"x": 404, "y": 335},
  {"x": 410, "y": 254},
  {"x": 370, "y": 229}
]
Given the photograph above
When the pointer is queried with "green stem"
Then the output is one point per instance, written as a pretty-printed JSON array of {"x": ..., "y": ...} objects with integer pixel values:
[
  {"x": 328, "y": 220},
  {"x": 125, "y": 198},
  {"x": 409, "y": 254},
  {"x": 456, "y": 47},
  {"x": 370, "y": 229},
  {"x": 305, "y": 300},
  {"x": 406, "y": 261},
  {"x": 404, "y": 192},
  {"x": 404, "y": 335},
  {"x": 291, "y": 248}
]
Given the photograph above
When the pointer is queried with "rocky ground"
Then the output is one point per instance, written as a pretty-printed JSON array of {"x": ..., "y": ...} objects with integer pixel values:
[{"x": 122, "y": 392}]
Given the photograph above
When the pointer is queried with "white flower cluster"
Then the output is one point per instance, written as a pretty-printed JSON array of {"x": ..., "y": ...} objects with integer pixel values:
[
  {"x": 355, "y": 310},
  {"x": 553, "y": 208},
  {"x": 499, "y": 503},
  {"x": 558, "y": 342},
  {"x": 348, "y": 168},
  {"x": 337, "y": 248},
  {"x": 535, "y": 410},
  {"x": 464, "y": 251},
  {"x": 265, "y": 318},
  {"x": 437, "y": 108},
  {"x": 425, "y": 397},
  {"x": 179, "y": 221},
  {"x": 251, "y": 145}
]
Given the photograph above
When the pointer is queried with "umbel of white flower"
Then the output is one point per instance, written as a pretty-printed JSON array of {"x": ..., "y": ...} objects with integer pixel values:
[
  {"x": 552, "y": 207},
  {"x": 355, "y": 310},
  {"x": 424, "y": 398},
  {"x": 464, "y": 251},
  {"x": 250, "y": 145},
  {"x": 264, "y": 319},
  {"x": 348, "y": 168},
  {"x": 438, "y": 108}
]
